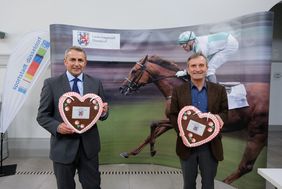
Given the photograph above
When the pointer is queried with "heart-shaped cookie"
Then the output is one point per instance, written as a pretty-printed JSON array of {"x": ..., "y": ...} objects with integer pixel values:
[
  {"x": 197, "y": 128},
  {"x": 80, "y": 112}
]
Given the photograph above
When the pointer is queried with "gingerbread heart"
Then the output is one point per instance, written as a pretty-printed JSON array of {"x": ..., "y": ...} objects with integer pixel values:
[
  {"x": 80, "y": 112},
  {"x": 197, "y": 128}
]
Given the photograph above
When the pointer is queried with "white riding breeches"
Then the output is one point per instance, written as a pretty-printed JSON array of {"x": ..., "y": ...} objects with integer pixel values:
[{"x": 220, "y": 57}]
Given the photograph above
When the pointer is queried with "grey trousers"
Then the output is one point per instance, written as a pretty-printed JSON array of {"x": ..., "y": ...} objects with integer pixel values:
[
  {"x": 203, "y": 159},
  {"x": 88, "y": 172}
]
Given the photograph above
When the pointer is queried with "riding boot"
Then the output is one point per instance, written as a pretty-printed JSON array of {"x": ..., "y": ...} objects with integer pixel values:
[{"x": 212, "y": 78}]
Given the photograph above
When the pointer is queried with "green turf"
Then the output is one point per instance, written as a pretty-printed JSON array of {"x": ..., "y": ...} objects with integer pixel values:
[
  {"x": 127, "y": 127},
  {"x": 129, "y": 124}
]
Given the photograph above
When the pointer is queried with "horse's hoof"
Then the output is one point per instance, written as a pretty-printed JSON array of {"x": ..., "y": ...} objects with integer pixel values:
[
  {"x": 124, "y": 154},
  {"x": 230, "y": 179},
  {"x": 153, "y": 153},
  {"x": 227, "y": 181}
]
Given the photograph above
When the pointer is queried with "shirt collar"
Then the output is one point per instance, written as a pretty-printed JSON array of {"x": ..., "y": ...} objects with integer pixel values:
[
  {"x": 194, "y": 86},
  {"x": 71, "y": 77}
]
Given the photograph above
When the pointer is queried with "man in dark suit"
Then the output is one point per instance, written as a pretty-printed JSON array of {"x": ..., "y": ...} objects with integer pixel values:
[
  {"x": 207, "y": 97},
  {"x": 70, "y": 151}
]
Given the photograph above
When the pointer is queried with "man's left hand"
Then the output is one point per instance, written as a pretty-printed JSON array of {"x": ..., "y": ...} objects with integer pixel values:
[{"x": 105, "y": 109}]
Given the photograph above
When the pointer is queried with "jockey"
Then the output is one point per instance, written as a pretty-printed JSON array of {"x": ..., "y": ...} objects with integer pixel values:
[{"x": 216, "y": 47}]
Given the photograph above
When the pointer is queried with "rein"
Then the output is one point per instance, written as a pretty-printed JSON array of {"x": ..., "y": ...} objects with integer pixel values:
[
  {"x": 153, "y": 79},
  {"x": 133, "y": 84}
]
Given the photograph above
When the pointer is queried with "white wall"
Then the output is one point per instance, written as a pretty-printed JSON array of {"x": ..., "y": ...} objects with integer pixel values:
[
  {"x": 18, "y": 17},
  {"x": 275, "y": 118}
]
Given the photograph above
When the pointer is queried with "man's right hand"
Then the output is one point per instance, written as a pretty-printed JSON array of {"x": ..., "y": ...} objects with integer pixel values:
[{"x": 64, "y": 129}]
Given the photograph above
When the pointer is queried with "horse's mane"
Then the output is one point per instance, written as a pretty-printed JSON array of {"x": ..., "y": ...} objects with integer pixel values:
[{"x": 163, "y": 63}]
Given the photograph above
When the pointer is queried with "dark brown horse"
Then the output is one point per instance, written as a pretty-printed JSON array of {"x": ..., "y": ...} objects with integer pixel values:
[{"x": 161, "y": 72}]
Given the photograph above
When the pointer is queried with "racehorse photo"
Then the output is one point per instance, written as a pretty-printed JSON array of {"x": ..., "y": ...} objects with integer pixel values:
[{"x": 253, "y": 117}]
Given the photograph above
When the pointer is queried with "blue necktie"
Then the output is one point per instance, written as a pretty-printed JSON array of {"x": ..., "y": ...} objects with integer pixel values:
[{"x": 75, "y": 87}]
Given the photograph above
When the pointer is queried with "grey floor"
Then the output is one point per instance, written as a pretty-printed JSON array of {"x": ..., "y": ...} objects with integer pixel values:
[{"x": 36, "y": 173}]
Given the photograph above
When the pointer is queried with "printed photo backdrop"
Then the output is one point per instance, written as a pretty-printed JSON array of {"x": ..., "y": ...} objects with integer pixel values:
[{"x": 113, "y": 52}]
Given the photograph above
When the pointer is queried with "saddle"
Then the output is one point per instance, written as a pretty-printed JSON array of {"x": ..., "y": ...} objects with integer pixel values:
[{"x": 236, "y": 94}]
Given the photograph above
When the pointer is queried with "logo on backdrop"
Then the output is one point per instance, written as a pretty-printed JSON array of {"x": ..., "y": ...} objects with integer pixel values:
[
  {"x": 96, "y": 40},
  {"x": 83, "y": 38}
]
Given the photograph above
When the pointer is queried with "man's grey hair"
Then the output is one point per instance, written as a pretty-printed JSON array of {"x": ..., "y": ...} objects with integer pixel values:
[
  {"x": 196, "y": 55},
  {"x": 75, "y": 48}
]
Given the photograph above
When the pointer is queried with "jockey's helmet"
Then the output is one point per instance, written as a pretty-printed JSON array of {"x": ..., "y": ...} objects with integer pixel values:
[{"x": 185, "y": 37}]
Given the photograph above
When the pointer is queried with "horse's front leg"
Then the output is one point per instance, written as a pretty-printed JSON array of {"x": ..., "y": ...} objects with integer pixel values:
[
  {"x": 150, "y": 139},
  {"x": 137, "y": 150},
  {"x": 157, "y": 129},
  {"x": 153, "y": 127}
]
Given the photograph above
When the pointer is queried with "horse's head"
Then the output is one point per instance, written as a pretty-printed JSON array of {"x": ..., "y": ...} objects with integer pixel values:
[{"x": 138, "y": 76}]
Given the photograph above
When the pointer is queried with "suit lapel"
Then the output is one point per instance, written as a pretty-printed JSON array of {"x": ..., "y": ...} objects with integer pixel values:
[
  {"x": 211, "y": 95},
  {"x": 65, "y": 83},
  {"x": 86, "y": 85},
  {"x": 187, "y": 94}
]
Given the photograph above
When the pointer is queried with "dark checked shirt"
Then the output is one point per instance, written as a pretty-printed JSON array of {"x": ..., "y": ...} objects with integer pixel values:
[{"x": 199, "y": 98}]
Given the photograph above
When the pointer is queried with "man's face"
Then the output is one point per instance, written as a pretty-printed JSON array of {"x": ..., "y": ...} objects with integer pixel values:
[
  {"x": 75, "y": 62},
  {"x": 197, "y": 68},
  {"x": 188, "y": 46}
]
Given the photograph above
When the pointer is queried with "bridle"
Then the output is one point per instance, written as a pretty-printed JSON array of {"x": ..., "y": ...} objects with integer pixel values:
[{"x": 134, "y": 85}]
